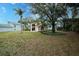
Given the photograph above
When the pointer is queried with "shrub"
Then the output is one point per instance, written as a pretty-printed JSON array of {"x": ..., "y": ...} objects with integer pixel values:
[
  {"x": 76, "y": 27},
  {"x": 60, "y": 28},
  {"x": 26, "y": 29},
  {"x": 68, "y": 27}
]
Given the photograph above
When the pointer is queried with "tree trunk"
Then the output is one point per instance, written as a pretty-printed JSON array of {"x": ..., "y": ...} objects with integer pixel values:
[
  {"x": 21, "y": 28},
  {"x": 53, "y": 26},
  {"x": 21, "y": 24},
  {"x": 42, "y": 28},
  {"x": 64, "y": 28}
]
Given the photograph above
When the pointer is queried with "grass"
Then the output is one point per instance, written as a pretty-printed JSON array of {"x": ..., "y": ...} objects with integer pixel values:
[{"x": 36, "y": 43}]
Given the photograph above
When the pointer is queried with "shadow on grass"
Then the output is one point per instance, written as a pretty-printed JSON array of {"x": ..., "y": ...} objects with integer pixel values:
[{"x": 53, "y": 34}]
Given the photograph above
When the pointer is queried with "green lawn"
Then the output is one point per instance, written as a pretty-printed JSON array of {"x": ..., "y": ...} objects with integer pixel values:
[{"x": 36, "y": 43}]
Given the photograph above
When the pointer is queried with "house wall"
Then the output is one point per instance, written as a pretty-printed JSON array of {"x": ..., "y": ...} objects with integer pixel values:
[
  {"x": 36, "y": 27},
  {"x": 18, "y": 28}
]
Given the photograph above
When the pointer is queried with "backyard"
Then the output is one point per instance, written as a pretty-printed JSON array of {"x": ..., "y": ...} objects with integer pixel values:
[{"x": 41, "y": 44}]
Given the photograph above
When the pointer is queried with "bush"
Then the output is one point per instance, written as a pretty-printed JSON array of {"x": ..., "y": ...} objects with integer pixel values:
[
  {"x": 68, "y": 27},
  {"x": 60, "y": 28},
  {"x": 26, "y": 29},
  {"x": 76, "y": 27}
]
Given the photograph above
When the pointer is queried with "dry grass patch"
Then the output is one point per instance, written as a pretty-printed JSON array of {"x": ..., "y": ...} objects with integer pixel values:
[{"x": 36, "y": 43}]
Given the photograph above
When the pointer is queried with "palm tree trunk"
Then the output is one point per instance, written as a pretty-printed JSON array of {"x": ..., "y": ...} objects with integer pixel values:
[{"x": 21, "y": 24}]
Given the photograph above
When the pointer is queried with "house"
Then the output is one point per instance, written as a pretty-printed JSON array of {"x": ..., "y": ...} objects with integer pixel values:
[
  {"x": 35, "y": 27},
  {"x": 10, "y": 27}
]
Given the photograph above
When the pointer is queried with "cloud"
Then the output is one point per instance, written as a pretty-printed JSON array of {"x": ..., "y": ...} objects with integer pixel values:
[{"x": 3, "y": 9}]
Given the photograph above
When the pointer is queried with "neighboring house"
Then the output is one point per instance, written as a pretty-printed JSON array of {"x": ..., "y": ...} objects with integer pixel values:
[{"x": 10, "y": 27}]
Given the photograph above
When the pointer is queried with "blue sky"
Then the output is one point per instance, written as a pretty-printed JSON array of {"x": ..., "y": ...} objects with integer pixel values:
[
  {"x": 69, "y": 12},
  {"x": 7, "y": 12}
]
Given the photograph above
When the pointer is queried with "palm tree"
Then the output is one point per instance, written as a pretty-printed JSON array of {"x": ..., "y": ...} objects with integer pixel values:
[{"x": 20, "y": 13}]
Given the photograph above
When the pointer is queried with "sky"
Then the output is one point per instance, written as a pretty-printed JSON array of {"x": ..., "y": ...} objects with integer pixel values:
[
  {"x": 7, "y": 12},
  {"x": 69, "y": 12}
]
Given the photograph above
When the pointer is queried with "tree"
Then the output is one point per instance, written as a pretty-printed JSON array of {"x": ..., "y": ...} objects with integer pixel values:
[
  {"x": 49, "y": 11},
  {"x": 43, "y": 23},
  {"x": 75, "y": 15},
  {"x": 74, "y": 8},
  {"x": 23, "y": 22},
  {"x": 26, "y": 21},
  {"x": 20, "y": 13}
]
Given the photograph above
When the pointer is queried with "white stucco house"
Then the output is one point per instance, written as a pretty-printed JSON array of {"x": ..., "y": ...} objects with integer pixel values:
[{"x": 35, "y": 27}]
